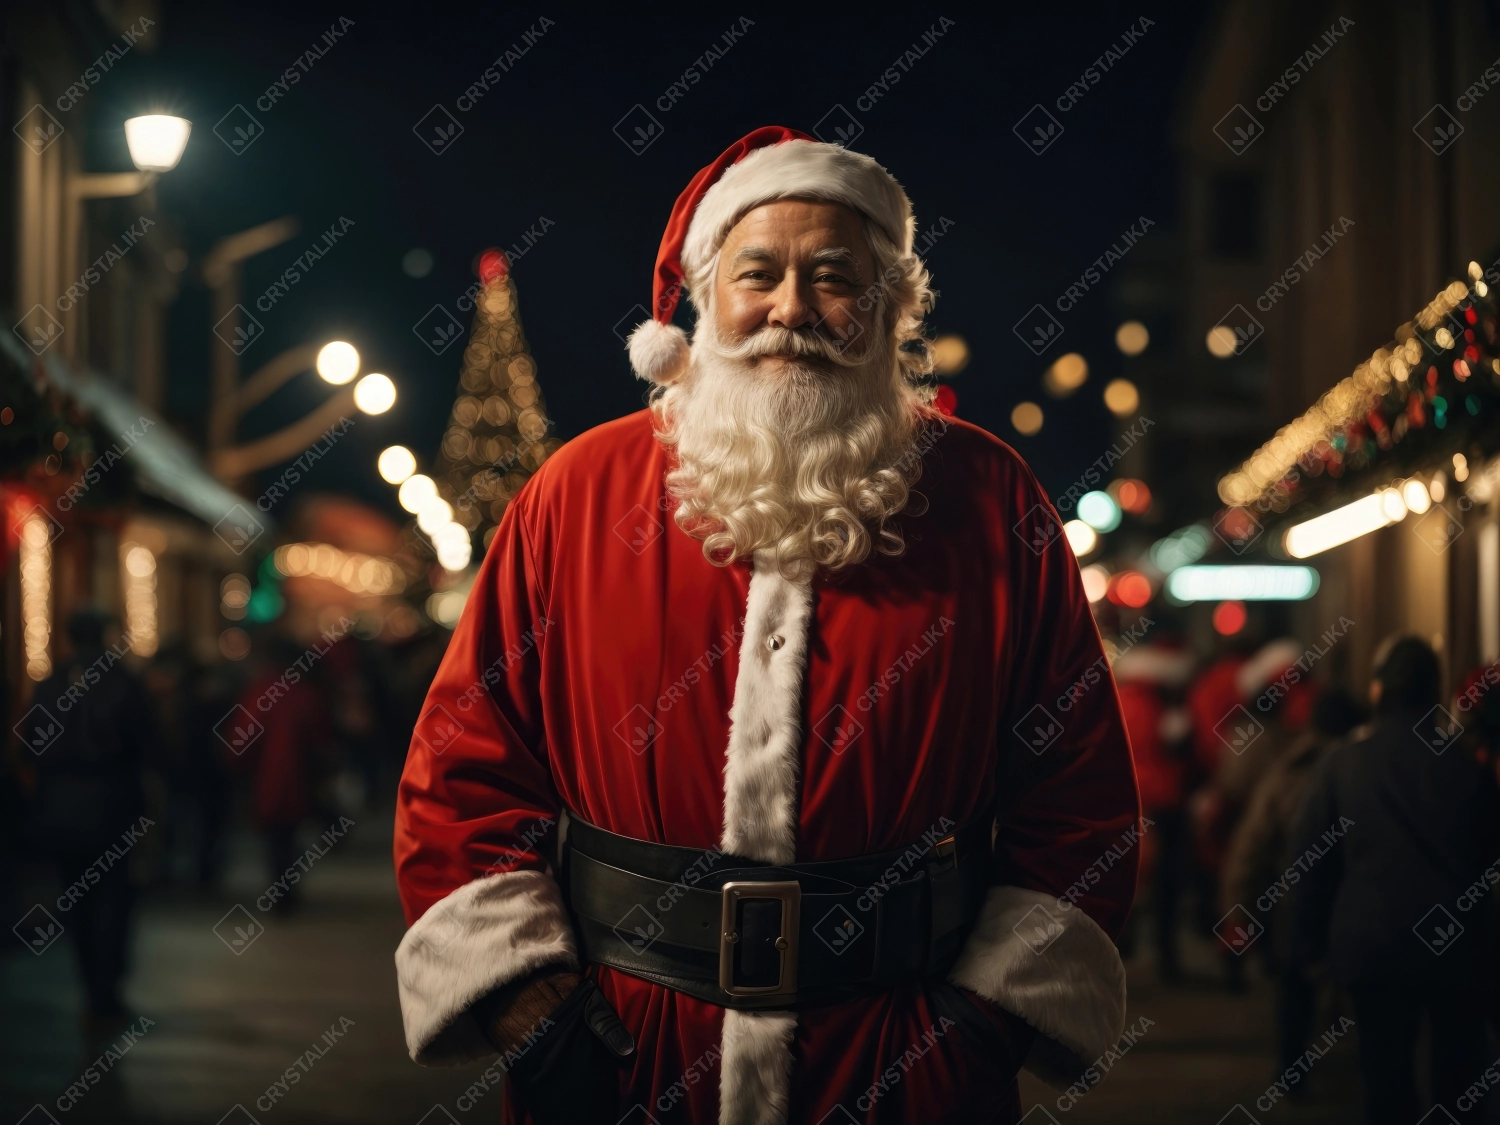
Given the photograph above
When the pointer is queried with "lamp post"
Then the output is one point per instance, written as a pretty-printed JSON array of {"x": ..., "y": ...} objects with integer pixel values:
[
  {"x": 337, "y": 363},
  {"x": 156, "y": 142}
]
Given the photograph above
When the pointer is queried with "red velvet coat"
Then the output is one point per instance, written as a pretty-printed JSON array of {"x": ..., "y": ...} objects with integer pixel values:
[{"x": 597, "y": 667}]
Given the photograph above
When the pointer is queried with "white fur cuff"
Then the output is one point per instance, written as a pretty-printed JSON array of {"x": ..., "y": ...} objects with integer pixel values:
[
  {"x": 483, "y": 935},
  {"x": 1054, "y": 968}
]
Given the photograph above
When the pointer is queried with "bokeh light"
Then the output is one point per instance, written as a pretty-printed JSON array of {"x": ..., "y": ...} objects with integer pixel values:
[
  {"x": 338, "y": 362},
  {"x": 1067, "y": 373},
  {"x": 1121, "y": 397},
  {"x": 1026, "y": 418},
  {"x": 1132, "y": 337},
  {"x": 1229, "y": 618},
  {"x": 375, "y": 394},
  {"x": 1099, "y": 511},
  {"x": 396, "y": 464}
]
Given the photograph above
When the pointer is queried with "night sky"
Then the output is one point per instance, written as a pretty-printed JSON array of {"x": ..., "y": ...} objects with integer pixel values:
[{"x": 539, "y": 143}]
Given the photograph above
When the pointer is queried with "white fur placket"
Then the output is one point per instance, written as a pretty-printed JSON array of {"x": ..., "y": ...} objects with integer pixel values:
[{"x": 761, "y": 770}]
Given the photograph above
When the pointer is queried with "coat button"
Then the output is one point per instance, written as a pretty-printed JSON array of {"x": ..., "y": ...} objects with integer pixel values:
[{"x": 775, "y": 641}]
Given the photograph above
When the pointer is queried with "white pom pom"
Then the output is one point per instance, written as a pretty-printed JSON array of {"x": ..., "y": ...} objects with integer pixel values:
[{"x": 658, "y": 352}]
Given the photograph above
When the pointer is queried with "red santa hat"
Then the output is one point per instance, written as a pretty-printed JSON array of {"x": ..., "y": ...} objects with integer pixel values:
[{"x": 770, "y": 163}]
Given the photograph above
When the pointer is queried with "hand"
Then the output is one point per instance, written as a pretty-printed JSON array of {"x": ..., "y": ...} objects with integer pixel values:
[
  {"x": 510, "y": 1014},
  {"x": 564, "y": 1059}
]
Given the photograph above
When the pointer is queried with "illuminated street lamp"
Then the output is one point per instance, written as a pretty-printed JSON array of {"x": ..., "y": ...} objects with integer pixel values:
[
  {"x": 396, "y": 464},
  {"x": 156, "y": 141},
  {"x": 338, "y": 362},
  {"x": 375, "y": 393}
]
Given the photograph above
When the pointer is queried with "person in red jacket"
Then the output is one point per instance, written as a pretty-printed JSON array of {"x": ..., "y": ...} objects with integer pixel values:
[
  {"x": 287, "y": 702},
  {"x": 807, "y": 673},
  {"x": 1151, "y": 680}
]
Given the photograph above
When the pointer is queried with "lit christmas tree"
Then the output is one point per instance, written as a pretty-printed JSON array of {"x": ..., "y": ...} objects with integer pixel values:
[{"x": 498, "y": 432}]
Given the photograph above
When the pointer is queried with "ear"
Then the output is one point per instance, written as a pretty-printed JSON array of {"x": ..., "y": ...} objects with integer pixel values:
[{"x": 658, "y": 352}]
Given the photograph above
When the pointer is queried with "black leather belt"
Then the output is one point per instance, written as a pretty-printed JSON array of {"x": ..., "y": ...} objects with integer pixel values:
[{"x": 744, "y": 934}]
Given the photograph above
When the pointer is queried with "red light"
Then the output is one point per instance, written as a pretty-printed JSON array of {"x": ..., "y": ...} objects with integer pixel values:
[
  {"x": 1132, "y": 495},
  {"x": 1229, "y": 618},
  {"x": 1471, "y": 316},
  {"x": 946, "y": 401},
  {"x": 1129, "y": 588},
  {"x": 493, "y": 264}
]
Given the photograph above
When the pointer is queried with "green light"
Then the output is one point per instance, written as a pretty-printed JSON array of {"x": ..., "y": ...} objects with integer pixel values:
[
  {"x": 266, "y": 604},
  {"x": 1440, "y": 404},
  {"x": 1099, "y": 511},
  {"x": 1471, "y": 404}
]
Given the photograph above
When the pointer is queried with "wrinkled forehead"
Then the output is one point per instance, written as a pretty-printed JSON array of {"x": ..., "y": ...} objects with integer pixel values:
[{"x": 797, "y": 229}]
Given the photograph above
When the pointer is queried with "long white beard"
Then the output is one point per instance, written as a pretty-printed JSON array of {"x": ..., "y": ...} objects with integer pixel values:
[{"x": 809, "y": 464}]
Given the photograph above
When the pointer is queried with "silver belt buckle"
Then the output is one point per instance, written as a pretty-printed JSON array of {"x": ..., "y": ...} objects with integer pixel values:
[{"x": 790, "y": 896}]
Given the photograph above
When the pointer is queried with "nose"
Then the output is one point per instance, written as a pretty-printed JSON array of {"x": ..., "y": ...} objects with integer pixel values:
[{"x": 790, "y": 304}]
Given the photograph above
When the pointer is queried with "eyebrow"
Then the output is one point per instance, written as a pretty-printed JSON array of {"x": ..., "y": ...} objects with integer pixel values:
[
  {"x": 833, "y": 255},
  {"x": 837, "y": 256}
]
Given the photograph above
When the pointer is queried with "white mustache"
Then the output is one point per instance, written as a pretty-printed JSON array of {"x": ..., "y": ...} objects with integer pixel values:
[{"x": 785, "y": 341}]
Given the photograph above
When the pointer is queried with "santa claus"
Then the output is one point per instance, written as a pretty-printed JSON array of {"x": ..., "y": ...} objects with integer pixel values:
[{"x": 771, "y": 774}]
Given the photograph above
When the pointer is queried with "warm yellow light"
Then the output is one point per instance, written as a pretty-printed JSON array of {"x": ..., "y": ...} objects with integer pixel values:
[
  {"x": 1067, "y": 373},
  {"x": 1460, "y": 468},
  {"x": 453, "y": 547},
  {"x": 140, "y": 598},
  {"x": 338, "y": 362},
  {"x": 1081, "y": 537},
  {"x": 1026, "y": 418},
  {"x": 950, "y": 355},
  {"x": 396, "y": 464},
  {"x": 415, "y": 491},
  {"x": 375, "y": 394},
  {"x": 1416, "y": 497},
  {"x": 156, "y": 141},
  {"x": 434, "y": 514},
  {"x": 1095, "y": 582},
  {"x": 1393, "y": 505},
  {"x": 36, "y": 595},
  {"x": 1221, "y": 341},
  {"x": 1380, "y": 509},
  {"x": 1438, "y": 488},
  {"x": 1121, "y": 397},
  {"x": 1132, "y": 337}
]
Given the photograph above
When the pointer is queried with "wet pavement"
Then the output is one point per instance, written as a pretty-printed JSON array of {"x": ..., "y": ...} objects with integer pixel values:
[{"x": 301, "y": 1022}]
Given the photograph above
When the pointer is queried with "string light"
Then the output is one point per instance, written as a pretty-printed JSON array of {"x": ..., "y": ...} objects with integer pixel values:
[
  {"x": 355, "y": 572},
  {"x": 1350, "y": 401},
  {"x": 36, "y": 595},
  {"x": 139, "y": 567}
]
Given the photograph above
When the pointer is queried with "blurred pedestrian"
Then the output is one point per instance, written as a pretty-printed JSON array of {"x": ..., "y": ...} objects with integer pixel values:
[
  {"x": 1260, "y": 856},
  {"x": 286, "y": 700},
  {"x": 90, "y": 804},
  {"x": 1272, "y": 701},
  {"x": 1151, "y": 678},
  {"x": 1395, "y": 832}
]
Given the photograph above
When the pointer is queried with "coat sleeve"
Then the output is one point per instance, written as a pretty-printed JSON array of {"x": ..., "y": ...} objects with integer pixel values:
[
  {"x": 476, "y": 810},
  {"x": 1067, "y": 846},
  {"x": 1311, "y": 901}
]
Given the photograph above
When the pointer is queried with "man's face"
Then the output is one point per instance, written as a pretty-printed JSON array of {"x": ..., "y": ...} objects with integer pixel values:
[{"x": 800, "y": 265}]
